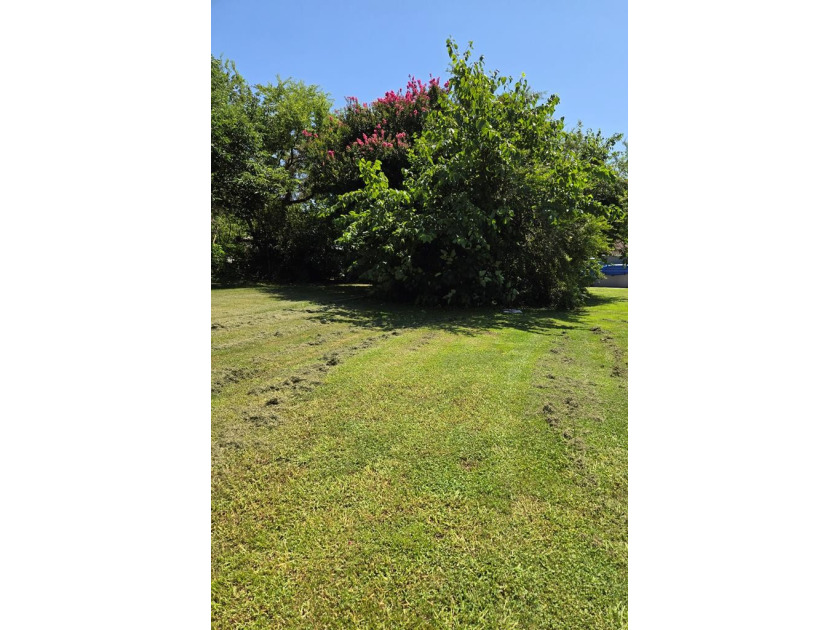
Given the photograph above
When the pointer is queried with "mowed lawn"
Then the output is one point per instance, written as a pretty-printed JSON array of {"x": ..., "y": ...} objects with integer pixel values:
[{"x": 381, "y": 466}]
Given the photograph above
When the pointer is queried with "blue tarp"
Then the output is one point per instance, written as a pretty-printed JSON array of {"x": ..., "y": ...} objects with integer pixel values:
[{"x": 614, "y": 270}]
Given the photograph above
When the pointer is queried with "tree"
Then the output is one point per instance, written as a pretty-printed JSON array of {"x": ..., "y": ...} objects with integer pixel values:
[
  {"x": 260, "y": 181},
  {"x": 494, "y": 207},
  {"x": 383, "y": 130},
  {"x": 607, "y": 176},
  {"x": 234, "y": 139}
]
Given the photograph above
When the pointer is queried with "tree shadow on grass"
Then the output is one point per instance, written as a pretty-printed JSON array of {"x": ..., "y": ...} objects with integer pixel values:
[
  {"x": 354, "y": 305},
  {"x": 600, "y": 299}
]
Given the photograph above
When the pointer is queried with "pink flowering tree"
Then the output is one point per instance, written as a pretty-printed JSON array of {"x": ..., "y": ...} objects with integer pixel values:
[{"x": 382, "y": 130}]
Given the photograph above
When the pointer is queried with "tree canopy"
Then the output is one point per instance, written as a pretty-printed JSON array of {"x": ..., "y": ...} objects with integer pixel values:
[{"x": 469, "y": 191}]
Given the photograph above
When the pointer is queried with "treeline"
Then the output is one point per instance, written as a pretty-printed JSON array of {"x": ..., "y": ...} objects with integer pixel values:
[{"x": 466, "y": 191}]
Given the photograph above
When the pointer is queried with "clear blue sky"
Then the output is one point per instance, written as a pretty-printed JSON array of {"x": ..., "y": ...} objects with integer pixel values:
[{"x": 576, "y": 49}]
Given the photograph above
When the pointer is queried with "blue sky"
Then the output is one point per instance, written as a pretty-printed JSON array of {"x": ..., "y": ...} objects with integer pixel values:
[{"x": 573, "y": 48}]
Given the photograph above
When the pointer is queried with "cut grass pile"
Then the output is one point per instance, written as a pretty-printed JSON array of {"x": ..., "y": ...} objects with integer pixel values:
[{"x": 381, "y": 466}]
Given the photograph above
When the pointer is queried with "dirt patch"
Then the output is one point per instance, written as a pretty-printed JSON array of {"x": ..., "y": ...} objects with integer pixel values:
[{"x": 467, "y": 464}]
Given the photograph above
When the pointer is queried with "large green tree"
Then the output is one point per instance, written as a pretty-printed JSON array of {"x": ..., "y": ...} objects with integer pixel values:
[
  {"x": 260, "y": 174},
  {"x": 607, "y": 178},
  {"x": 495, "y": 207},
  {"x": 235, "y": 142}
]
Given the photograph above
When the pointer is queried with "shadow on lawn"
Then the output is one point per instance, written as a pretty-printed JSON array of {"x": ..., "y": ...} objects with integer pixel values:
[{"x": 353, "y": 304}]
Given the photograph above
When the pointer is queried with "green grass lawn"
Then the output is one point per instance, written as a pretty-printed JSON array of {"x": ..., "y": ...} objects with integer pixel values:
[{"x": 380, "y": 466}]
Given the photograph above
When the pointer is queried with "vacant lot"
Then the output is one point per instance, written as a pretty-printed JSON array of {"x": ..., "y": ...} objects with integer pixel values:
[{"x": 381, "y": 466}]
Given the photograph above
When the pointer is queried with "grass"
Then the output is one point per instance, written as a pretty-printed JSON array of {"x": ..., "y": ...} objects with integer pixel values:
[{"x": 380, "y": 466}]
